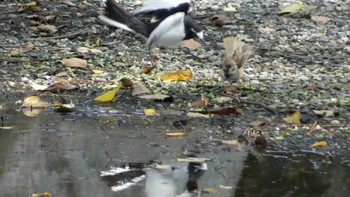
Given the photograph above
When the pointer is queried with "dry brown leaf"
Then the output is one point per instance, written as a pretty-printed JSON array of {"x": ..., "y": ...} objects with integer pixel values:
[
  {"x": 231, "y": 90},
  {"x": 148, "y": 68},
  {"x": 311, "y": 87},
  {"x": 257, "y": 123},
  {"x": 74, "y": 62},
  {"x": 203, "y": 102},
  {"x": 93, "y": 71},
  {"x": 324, "y": 113},
  {"x": 222, "y": 99},
  {"x": 139, "y": 88},
  {"x": 221, "y": 20},
  {"x": 63, "y": 74},
  {"x": 190, "y": 44},
  {"x": 320, "y": 19},
  {"x": 45, "y": 28}
]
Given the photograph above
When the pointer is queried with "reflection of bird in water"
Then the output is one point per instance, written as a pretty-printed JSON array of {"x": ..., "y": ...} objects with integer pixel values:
[{"x": 179, "y": 180}]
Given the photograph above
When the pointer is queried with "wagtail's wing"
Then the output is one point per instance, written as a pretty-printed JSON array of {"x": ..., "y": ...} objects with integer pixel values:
[
  {"x": 116, "y": 16},
  {"x": 163, "y": 8}
]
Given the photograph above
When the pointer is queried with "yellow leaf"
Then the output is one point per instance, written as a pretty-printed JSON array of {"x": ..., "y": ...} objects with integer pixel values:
[
  {"x": 34, "y": 102},
  {"x": 33, "y": 3},
  {"x": 230, "y": 9},
  {"x": 210, "y": 190},
  {"x": 294, "y": 118},
  {"x": 320, "y": 144},
  {"x": 176, "y": 76},
  {"x": 46, "y": 194},
  {"x": 296, "y": 7},
  {"x": 175, "y": 134},
  {"x": 150, "y": 112},
  {"x": 108, "y": 96},
  {"x": 162, "y": 166}
]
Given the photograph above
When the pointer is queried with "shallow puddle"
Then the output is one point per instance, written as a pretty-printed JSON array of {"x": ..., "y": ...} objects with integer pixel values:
[{"x": 66, "y": 155}]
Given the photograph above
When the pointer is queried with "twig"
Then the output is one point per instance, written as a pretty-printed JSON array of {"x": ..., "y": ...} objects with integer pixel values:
[{"x": 71, "y": 35}]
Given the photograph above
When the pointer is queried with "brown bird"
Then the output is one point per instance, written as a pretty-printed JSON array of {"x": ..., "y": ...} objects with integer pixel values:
[{"x": 237, "y": 53}]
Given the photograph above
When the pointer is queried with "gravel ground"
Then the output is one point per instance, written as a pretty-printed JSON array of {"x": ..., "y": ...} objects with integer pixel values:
[{"x": 297, "y": 64}]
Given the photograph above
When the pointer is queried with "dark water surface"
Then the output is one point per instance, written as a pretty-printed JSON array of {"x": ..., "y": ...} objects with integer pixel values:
[{"x": 65, "y": 154}]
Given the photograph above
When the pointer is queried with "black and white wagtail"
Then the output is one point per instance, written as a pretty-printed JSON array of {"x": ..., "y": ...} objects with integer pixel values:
[{"x": 170, "y": 25}]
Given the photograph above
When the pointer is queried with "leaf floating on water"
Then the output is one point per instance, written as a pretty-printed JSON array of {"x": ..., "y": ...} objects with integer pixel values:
[
  {"x": 226, "y": 186},
  {"x": 176, "y": 76},
  {"x": 175, "y": 134},
  {"x": 159, "y": 97},
  {"x": 210, "y": 190},
  {"x": 294, "y": 118},
  {"x": 150, "y": 112},
  {"x": 320, "y": 144},
  {"x": 46, "y": 194},
  {"x": 197, "y": 115},
  {"x": 108, "y": 96},
  {"x": 34, "y": 102},
  {"x": 161, "y": 166},
  {"x": 74, "y": 62}
]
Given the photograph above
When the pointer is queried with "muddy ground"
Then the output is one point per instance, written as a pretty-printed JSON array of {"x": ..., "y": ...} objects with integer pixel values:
[{"x": 298, "y": 64}]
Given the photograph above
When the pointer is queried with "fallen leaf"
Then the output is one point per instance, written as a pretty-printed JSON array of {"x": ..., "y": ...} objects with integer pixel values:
[
  {"x": 34, "y": 102},
  {"x": 139, "y": 88},
  {"x": 294, "y": 118},
  {"x": 203, "y": 102},
  {"x": 320, "y": 19},
  {"x": 221, "y": 20},
  {"x": 320, "y": 144},
  {"x": 257, "y": 123},
  {"x": 108, "y": 96},
  {"x": 83, "y": 50},
  {"x": 210, "y": 190},
  {"x": 160, "y": 97},
  {"x": 93, "y": 71},
  {"x": 161, "y": 166},
  {"x": 226, "y": 186},
  {"x": 279, "y": 137},
  {"x": 176, "y": 76},
  {"x": 175, "y": 134},
  {"x": 324, "y": 113},
  {"x": 190, "y": 44},
  {"x": 311, "y": 87},
  {"x": 296, "y": 7},
  {"x": 46, "y": 194},
  {"x": 74, "y": 62},
  {"x": 148, "y": 68},
  {"x": 45, "y": 28},
  {"x": 231, "y": 90},
  {"x": 150, "y": 112},
  {"x": 222, "y": 99},
  {"x": 229, "y": 9},
  {"x": 197, "y": 115}
]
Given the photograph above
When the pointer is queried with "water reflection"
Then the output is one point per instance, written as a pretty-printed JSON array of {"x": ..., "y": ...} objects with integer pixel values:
[{"x": 65, "y": 154}]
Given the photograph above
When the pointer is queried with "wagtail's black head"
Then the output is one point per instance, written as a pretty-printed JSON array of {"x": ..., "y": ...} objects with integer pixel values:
[{"x": 192, "y": 28}]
